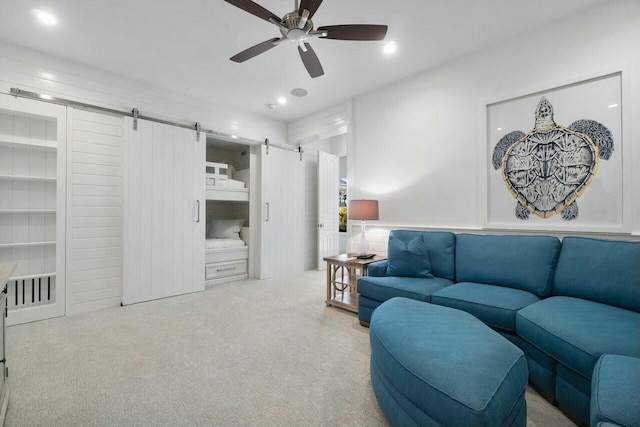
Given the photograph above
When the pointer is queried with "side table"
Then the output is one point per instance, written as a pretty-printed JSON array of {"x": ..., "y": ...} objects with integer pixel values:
[{"x": 343, "y": 272}]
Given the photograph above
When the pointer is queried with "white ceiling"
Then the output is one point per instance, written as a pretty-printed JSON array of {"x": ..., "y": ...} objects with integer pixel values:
[{"x": 185, "y": 46}]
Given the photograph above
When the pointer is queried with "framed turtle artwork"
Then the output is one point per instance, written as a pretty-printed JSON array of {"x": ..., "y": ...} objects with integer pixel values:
[{"x": 554, "y": 159}]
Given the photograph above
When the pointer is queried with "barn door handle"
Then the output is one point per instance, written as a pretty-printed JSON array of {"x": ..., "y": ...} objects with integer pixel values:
[
  {"x": 198, "y": 202},
  {"x": 267, "y": 220}
]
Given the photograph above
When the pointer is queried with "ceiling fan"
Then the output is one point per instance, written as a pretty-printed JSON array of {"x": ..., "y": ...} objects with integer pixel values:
[{"x": 297, "y": 27}]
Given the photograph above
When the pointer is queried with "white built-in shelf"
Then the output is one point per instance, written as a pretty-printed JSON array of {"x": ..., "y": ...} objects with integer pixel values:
[
  {"x": 33, "y": 144},
  {"x": 27, "y": 178},
  {"x": 32, "y": 276},
  {"x": 27, "y": 211},
  {"x": 26, "y": 244}
]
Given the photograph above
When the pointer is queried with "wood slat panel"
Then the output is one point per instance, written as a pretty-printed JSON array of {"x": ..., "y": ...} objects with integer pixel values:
[
  {"x": 99, "y": 232},
  {"x": 96, "y": 295},
  {"x": 99, "y": 273},
  {"x": 96, "y": 138},
  {"x": 97, "y": 127},
  {"x": 96, "y": 253},
  {"x": 91, "y": 148},
  {"x": 95, "y": 208},
  {"x": 93, "y": 264},
  {"x": 93, "y": 285},
  {"x": 96, "y": 190},
  {"x": 96, "y": 159},
  {"x": 88, "y": 169},
  {"x": 105, "y": 242},
  {"x": 100, "y": 221},
  {"x": 97, "y": 180}
]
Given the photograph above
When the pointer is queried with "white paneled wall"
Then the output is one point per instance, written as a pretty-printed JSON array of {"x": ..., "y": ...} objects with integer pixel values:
[{"x": 94, "y": 250}]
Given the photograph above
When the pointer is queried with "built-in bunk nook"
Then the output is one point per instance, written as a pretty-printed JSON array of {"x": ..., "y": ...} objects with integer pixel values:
[{"x": 227, "y": 178}]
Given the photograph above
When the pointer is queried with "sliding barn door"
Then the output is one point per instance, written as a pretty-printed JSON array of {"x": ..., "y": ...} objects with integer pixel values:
[
  {"x": 328, "y": 203},
  {"x": 163, "y": 213},
  {"x": 282, "y": 225}
]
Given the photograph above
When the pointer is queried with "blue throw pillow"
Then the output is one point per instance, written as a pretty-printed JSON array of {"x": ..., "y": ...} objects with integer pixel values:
[{"x": 408, "y": 259}]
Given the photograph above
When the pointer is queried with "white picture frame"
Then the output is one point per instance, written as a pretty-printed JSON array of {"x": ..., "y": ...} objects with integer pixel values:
[{"x": 603, "y": 204}]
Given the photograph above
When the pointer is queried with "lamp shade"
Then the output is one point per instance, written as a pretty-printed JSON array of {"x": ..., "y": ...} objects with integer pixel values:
[{"x": 363, "y": 210}]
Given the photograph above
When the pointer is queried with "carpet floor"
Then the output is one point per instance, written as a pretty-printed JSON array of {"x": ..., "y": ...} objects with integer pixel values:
[{"x": 248, "y": 353}]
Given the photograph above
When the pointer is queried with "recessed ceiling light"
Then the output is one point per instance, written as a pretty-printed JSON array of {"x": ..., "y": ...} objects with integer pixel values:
[
  {"x": 234, "y": 136},
  {"x": 45, "y": 18},
  {"x": 499, "y": 129},
  {"x": 45, "y": 96},
  {"x": 299, "y": 92},
  {"x": 390, "y": 48},
  {"x": 613, "y": 105},
  {"x": 282, "y": 100},
  {"x": 271, "y": 106}
]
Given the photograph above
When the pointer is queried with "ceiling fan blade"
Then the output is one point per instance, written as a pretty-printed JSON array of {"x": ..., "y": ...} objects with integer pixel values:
[
  {"x": 311, "y": 61},
  {"x": 354, "y": 32},
  {"x": 254, "y": 51},
  {"x": 311, "y": 5},
  {"x": 254, "y": 9}
]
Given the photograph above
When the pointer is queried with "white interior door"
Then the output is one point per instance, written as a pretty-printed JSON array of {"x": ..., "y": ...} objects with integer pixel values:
[
  {"x": 282, "y": 211},
  {"x": 328, "y": 193},
  {"x": 33, "y": 153},
  {"x": 164, "y": 212}
]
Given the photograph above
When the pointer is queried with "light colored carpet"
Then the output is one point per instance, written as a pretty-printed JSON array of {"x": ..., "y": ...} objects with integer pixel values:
[{"x": 250, "y": 353}]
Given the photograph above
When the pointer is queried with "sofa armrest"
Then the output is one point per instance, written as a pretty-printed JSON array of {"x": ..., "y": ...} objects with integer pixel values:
[{"x": 377, "y": 269}]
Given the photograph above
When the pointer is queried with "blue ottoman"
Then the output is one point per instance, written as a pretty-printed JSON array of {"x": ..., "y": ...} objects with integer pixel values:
[
  {"x": 438, "y": 366},
  {"x": 615, "y": 391}
]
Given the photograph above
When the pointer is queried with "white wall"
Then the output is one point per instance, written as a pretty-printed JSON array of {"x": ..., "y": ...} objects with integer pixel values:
[
  {"x": 415, "y": 145},
  {"x": 38, "y": 72}
]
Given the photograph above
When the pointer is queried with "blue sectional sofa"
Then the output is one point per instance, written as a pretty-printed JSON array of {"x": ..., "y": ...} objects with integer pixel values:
[{"x": 564, "y": 304}]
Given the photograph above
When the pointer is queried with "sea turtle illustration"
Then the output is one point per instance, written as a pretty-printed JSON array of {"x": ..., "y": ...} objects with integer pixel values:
[{"x": 547, "y": 169}]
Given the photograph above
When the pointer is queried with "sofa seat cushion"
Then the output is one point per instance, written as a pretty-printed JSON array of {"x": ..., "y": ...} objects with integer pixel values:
[
  {"x": 494, "y": 305},
  {"x": 577, "y": 332},
  {"x": 447, "y": 364},
  {"x": 384, "y": 288},
  {"x": 615, "y": 391}
]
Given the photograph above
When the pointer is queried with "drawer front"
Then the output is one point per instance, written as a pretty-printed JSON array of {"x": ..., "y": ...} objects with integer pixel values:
[
  {"x": 224, "y": 269},
  {"x": 225, "y": 255}
]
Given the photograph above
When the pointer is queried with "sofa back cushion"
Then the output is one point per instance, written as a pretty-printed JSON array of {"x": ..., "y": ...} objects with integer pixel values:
[
  {"x": 519, "y": 262},
  {"x": 605, "y": 271},
  {"x": 440, "y": 249},
  {"x": 408, "y": 259}
]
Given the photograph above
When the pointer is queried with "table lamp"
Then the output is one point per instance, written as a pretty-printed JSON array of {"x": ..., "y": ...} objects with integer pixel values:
[{"x": 364, "y": 210}]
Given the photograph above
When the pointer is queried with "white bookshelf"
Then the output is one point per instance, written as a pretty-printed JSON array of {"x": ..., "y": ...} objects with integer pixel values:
[
  {"x": 32, "y": 178},
  {"x": 27, "y": 178}
]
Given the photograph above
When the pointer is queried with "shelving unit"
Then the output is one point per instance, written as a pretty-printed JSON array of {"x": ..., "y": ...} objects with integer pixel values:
[
  {"x": 227, "y": 202},
  {"x": 27, "y": 178},
  {"x": 32, "y": 178}
]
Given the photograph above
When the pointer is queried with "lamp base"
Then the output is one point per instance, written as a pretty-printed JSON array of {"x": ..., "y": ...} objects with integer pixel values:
[{"x": 365, "y": 256}]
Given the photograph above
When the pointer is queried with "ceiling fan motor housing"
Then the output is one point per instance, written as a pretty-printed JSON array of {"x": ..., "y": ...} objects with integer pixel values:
[{"x": 292, "y": 21}]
